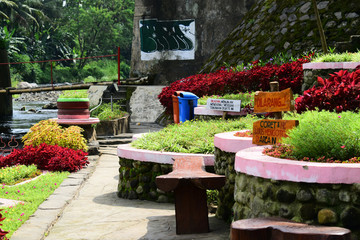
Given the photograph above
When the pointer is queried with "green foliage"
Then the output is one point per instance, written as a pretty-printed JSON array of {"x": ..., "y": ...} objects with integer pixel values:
[
  {"x": 337, "y": 57},
  {"x": 212, "y": 196},
  {"x": 49, "y": 132},
  {"x": 74, "y": 94},
  {"x": 191, "y": 136},
  {"x": 105, "y": 71},
  {"x": 32, "y": 194},
  {"x": 325, "y": 134},
  {"x": 104, "y": 112},
  {"x": 246, "y": 98},
  {"x": 15, "y": 174}
]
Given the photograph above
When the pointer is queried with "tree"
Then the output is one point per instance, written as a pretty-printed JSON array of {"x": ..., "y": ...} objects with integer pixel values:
[{"x": 99, "y": 26}]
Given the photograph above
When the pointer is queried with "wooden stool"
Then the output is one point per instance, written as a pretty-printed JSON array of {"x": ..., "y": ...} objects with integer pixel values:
[
  {"x": 283, "y": 229},
  {"x": 189, "y": 182}
]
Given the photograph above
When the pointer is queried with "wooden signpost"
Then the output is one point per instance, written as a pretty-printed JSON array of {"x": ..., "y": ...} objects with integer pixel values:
[
  {"x": 274, "y": 101},
  {"x": 270, "y": 132}
]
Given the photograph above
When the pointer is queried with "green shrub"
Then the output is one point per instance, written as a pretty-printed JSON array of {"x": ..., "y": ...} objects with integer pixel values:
[
  {"x": 104, "y": 112},
  {"x": 191, "y": 136},
  {"x": 74, "y": 94},
  {"x": 337, "y": 57},
  {"x": 49, "y": 132},
  {"x": 15, "y": 174},
  {"x": 325, "y": 134}
]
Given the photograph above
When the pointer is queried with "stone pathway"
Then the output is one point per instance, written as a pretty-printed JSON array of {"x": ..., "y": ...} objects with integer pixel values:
[{"x": 97, "y": 213}]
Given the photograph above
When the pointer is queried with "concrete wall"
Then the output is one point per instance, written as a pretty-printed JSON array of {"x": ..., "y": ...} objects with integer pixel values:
[{"x": 213, "y": 21}]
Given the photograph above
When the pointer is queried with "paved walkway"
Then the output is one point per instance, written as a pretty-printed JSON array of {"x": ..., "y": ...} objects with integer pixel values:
[{"x": 86, "y": 206}]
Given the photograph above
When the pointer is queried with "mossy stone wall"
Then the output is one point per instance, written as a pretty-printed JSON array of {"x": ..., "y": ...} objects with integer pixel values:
[
  {"x": 137, "y": 180},
  {"x": 312, "y": 203},
  {"x": 224, "y": 165},
  {"x": 285, "y": 26}
]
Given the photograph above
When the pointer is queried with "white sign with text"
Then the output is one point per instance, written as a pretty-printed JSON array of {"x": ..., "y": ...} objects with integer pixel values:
[{"x": 223, "y": 105}]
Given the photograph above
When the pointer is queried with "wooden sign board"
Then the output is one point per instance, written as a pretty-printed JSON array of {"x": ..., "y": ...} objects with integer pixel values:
[
  {"x": 270, "y": 132},
  {"x": 223, "y": 105},
  {"x": 274, "y": 101}
]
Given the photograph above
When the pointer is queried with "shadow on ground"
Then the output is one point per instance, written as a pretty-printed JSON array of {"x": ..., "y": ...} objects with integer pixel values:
[{"x": 164, "y": 227}]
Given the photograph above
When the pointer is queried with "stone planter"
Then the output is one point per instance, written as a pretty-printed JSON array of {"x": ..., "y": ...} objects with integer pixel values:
[
  {"x": 314, "y": 70},
  {"x": 113, "y": 127},
  {"x": 226, "y": 146},
  {"x": 314, "y": 193},
  {"x": 139, "y": 168}
]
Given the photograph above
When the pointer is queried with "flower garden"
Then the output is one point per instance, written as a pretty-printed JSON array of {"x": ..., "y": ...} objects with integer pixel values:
[{"x": 327, "y": 133}]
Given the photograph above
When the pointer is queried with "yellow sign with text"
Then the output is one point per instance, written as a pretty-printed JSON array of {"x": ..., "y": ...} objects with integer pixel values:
[
  {"x": 274, "y": 101},
  {"x": 270, "y": 132}
]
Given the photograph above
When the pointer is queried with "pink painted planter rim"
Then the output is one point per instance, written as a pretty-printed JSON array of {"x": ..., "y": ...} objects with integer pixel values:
[
  {"x": 129, "y": 152},
  {"x": 229, "y": 143},
  {"x": 331, "y": 65},
  {"x": 201, "y": 110},
  {"x": 252, "y": 162}
]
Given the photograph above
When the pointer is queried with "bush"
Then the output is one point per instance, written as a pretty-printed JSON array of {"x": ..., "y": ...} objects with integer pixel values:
[
  {"x": 340, "y": 92},
  {"x": 47, "y": 157},
  {"x": 289, "y": 75},
  {"x": 49, "y": 132},
  {"x": 104, "y": 112},
  {"x": 190, "y": 136},
  {"x": 325, "y": 134}
]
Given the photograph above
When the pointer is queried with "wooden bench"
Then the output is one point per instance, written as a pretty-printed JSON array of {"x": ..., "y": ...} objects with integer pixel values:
[
  {"x": 283, "y": 229},
  {"x": 189, "y": 181}
]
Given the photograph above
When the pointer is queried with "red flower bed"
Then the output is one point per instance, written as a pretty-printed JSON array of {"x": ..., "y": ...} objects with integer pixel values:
[
  {"x": 341, "y": 92},
  {"x": 47, "y": 157},
  {"x": 227, "y": 81}
]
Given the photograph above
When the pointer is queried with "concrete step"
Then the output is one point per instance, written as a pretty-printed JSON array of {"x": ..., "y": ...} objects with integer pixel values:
[
  {"x": 120, "y": 136},
  {"x": 114, "y": 141}
]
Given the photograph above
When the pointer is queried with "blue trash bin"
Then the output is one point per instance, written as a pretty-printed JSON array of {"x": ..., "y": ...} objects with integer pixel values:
[{"x": 187, "y": 103}]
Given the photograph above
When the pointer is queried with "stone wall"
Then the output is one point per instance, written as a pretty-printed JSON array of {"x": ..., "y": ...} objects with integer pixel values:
[
  {"x": 312, "y": 203},
  {"x": 224, "y": 165},
  {"x": 282, "y": 26},
  {"x": 113, "y": 127},
  {"x": 213, "y": 21},
  {"x": 137, "y": 180}
]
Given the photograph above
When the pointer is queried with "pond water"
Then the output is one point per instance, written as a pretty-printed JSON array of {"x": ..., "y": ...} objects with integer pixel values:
[{"x": 21, "y": 121}]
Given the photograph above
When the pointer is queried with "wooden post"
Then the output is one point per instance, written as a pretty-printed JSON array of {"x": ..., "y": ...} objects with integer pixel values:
[
  {"x": 321, "y": 30},
  {"x": 51, "y": 69},
  {"x": 274, "y": 87},
  {"x": 118, "y": 59},
  {"x": 5, "y": 82}
]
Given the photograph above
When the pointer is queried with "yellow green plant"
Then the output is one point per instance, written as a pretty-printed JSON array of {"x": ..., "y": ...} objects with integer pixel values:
[{"x": 51, "y": 133}]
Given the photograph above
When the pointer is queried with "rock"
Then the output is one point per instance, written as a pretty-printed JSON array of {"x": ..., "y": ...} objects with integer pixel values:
[
  {"x": 304, "y": 195},
  {"x": 22, "y": 109},
  {"x": 32, "y": 110},
  {"x": 322, "y": 5},
  {"x": 26, "y": 85},
  {"x": 162, "y": 199},
  {"x": 269, "y": 48},
  {"x": 352, "y": 15},
  {"x": 132, "y": 195},
  {"x": 338, "y": 15},
  {"x": 344, "y": 196},
  {"x": 292, "y": 18},
  {"x": 285, "y": 196},
  {"x": 305, "y": 8},
  {"x": 134, "y": 183},
  {"x": 330, "y": 24},
  {"x": 326, "y": 196},
  {"x": 304, "y": 18},
  {"x": 286, "y": 45},
  {"x": 307, "y": 211},
  {"x": 50, "y": 106},
  {"x": 350, "y": 217},
  {"x": 326, "y": 216},
  {"x": 139, "y": 190}
]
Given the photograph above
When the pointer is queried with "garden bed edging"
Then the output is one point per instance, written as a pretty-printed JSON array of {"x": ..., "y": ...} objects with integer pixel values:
[
  {"x": 308, "y": 192},
  {"x": 139, "y": 169},
  {"x": 226, "y": 146}
]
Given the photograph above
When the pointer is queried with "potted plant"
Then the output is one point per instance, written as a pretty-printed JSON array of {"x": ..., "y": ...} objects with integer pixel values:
[{"x": 73, "y": 104}]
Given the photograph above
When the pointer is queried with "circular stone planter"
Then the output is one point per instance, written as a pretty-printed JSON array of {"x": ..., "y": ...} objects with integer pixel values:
[
  {"x": 310, "y": 192},
  {"x": 226, "y": 146},
  {"x": 139, "y": 168}
]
